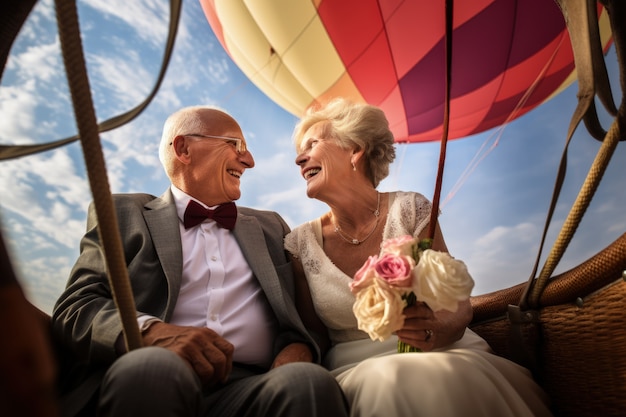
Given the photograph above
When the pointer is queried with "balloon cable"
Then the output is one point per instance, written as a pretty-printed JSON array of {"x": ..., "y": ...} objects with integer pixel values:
[
  {"x": 446, "y": 122},
  {"x": 496, "y": 135}
]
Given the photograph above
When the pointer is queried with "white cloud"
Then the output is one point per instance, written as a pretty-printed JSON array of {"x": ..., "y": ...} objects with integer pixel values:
[
  {"x": 502, "y": 257},
  {"x": 45, "y": 191},
  {"x": 124, "y": 82},
  {"x": 147, "y": 17},
  {"x": 17, "y": 104},
  {"x": 18, "y": 191},
  {"x": 39, "y": 62},
  {"x": 51, "y": 273}
]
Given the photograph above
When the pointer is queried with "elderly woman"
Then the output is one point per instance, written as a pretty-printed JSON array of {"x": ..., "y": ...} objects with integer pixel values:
[{"x": 344, "y": 151}]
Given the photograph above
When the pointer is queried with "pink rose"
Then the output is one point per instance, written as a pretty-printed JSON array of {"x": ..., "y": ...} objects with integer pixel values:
[
  {"x": 395, "y": 270},
  {"x": 402, "y": 245},
  {"x": 365, "y": 275}
]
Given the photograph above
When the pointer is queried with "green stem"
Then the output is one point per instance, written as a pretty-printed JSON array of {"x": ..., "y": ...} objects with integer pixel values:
[{"x": 405, "y": 347}]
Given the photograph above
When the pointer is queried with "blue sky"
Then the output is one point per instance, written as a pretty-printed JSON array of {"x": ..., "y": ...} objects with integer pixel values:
[{"x": 492, "y": 217}]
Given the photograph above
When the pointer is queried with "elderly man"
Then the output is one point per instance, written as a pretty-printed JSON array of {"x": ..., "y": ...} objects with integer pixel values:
[{"x": 214, "y": 295}]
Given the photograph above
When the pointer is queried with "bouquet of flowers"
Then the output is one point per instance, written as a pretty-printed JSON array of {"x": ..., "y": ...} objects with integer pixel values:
[{"x": 404, "y": 272}]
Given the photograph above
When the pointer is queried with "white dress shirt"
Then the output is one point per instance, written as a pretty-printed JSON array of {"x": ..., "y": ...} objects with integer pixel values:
[{"x": 219, "y": 291}]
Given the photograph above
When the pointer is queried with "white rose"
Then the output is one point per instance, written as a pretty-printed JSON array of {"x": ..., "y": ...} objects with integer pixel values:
[
  {"x": 378, "y": 309},
  {"x": 441, "y": 281}
]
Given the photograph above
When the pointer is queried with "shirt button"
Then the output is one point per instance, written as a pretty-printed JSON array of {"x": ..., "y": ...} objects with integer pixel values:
[
  {"x": 213, "y": 317},
  {"x": 214, "y": 258}
]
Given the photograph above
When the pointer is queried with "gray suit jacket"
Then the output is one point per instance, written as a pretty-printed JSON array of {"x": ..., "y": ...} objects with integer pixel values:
[{"x": 85, "y": 320}]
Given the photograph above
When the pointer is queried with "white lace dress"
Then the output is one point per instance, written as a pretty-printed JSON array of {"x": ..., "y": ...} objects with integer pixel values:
[{"x": 462, "y": 379}]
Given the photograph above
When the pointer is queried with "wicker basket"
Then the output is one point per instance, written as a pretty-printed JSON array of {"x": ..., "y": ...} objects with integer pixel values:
[{"x": 576, "y": 339}]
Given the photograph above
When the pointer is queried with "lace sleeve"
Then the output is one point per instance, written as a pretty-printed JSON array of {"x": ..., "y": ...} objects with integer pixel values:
[
  {"x": 409, "y": 213},
  {"x": 291, "y": 243}
]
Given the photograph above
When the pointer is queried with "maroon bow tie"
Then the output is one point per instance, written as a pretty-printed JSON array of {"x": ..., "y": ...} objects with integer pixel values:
[{"x": 225, "y": 215}]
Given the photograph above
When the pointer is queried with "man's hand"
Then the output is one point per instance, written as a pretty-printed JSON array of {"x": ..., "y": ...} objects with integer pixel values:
[
  {"x": 295, "y": 352},
  {"x": 209, "y": 354}
]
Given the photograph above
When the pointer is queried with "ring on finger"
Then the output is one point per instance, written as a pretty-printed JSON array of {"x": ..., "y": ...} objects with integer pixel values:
[{"x": 429, "y": 334}]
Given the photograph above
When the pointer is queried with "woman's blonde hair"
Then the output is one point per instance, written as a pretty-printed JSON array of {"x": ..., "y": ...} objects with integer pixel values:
[{"x": 356, "y": 126}]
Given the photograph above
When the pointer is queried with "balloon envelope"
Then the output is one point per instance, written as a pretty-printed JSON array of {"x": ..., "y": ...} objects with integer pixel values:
[{"x": 508, "y": 57}]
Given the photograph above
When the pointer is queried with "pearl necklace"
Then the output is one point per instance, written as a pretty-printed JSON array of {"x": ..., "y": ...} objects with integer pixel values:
[{"x": 349, "y": 238}]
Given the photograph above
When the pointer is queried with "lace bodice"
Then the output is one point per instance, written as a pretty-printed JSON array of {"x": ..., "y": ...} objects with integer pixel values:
[{"x": 408, "y": 214}]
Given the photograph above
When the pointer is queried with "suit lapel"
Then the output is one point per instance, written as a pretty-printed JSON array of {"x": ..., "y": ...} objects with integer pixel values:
[
  {"x": 162, "y": 220},
  {"x": 251, "y": 240}
]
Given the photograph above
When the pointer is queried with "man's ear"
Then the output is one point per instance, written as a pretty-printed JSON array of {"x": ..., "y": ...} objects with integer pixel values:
[{"x": 180, "y": 145}]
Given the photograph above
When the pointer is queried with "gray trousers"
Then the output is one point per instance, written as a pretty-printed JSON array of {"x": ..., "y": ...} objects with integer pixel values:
[{"x": 157, "y": 383}]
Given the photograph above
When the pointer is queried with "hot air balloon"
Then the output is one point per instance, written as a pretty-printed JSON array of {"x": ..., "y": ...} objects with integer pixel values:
[
  {"x": 507, "y": 58},
  {"x": 440, "y": 78}
]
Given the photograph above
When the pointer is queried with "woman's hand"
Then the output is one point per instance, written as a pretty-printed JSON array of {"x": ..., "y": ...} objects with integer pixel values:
[{"x": 427, "y": 330}]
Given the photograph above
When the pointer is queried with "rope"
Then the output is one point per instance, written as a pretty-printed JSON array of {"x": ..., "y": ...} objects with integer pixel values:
[
  {"x": 581, "y": 204},
  {"x": 580, "y": 18},
  {"x": 71, "y": 46}
]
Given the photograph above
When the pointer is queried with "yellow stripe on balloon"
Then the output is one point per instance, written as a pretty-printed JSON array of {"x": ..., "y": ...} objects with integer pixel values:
[{"x": 280, "y": 57}]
